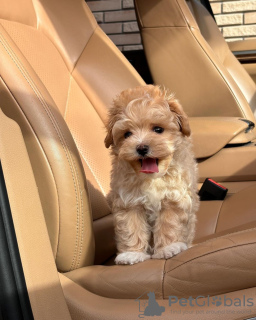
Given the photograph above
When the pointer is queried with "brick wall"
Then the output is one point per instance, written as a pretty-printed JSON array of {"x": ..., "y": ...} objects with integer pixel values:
[
  {"x": 236, "y": 19},
  {"x": 117, "y": 18}
]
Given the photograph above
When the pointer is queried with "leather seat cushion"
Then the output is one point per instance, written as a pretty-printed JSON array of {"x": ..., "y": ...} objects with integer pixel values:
[{"x": 229, "y": 260}]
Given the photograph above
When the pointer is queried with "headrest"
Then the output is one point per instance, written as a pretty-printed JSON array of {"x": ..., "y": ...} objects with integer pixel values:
[{"x": 164, "y": 13}]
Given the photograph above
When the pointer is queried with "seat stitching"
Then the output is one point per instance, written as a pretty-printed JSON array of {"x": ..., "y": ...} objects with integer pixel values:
[
  {"x": 77, "y": 82},
  {"x": 175, "y": 289},
  {"x": 78, "y": 146},
  {"x": 37, "y": 20},
  {"x": 209, "y": 253},
  {"x": 163, "y": 279},
  {"x": 216, "y": 226},
  {"x": 32, "y": 129},
  {"x": 86, "y": 161},
  {"x": 66, "y": 107},
  {"x": 93, "y": 32},
  {"x": 81, "y": 195},
  {"x": 216, "y": 67},
  {"x": 223, "y": 78},
  {"x": 227, "y": 234},
  {"x": 54, "y": 122},
  {"x": 81, "y": 224}
]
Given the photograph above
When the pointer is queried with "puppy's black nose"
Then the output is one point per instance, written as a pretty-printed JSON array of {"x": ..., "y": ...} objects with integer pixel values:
[{"x": 142, "y": 150}]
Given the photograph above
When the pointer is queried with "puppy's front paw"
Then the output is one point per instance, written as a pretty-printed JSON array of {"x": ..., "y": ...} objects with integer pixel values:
[
  {"x": 170, "y": 251},
  {"x": 131, "y": 257}
]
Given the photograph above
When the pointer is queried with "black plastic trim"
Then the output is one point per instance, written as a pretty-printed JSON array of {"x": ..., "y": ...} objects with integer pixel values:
[
  {"x": 207, "y": 5},
  {"x": 236, "y": 145},
  {"x": 251, "y": 125},
  {"x": 138, "y": 60},
  {"x": 14, "y": 299}
]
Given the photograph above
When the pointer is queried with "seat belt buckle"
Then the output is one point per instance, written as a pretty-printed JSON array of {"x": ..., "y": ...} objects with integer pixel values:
[{"x": 211, "y": 190}]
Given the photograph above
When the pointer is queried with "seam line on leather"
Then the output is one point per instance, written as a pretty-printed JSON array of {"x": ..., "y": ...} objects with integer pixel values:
[
  {"x": 163, "y": 279},
  {"x": 218, "y": 217},
  {"x": 222, "y": 77},
  {"x": 79, "y": 83},
  {"x": 81, "y": 195},
  {"x": 66, "y": 106},
  {"x": 46, "y": 35},
  {"x": 54, "y": 122},
  {"x": 184, "y": 17},
  {"x": 77, "y": 145},
  {"x": 212, "y": 252},
  {"x": 37, "y": 20},
  {"x": 136, "y": 6},
  {"x": 108, "y": 214},
  {"x": 87, "y": 163},
  {"x": 81, "y": 223},
  {"x": 71, "y": 77},
  {"x": 216, "y": 67},
  {"x": 32, "y": 129},
  {"x": 75, "y": 64},
  {"x": 227, "y": 234},
  {"x": 210, "y": 60}
]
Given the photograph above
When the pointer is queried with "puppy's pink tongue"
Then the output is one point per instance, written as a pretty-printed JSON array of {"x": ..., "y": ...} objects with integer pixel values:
[{"x": 149, "y": 165}]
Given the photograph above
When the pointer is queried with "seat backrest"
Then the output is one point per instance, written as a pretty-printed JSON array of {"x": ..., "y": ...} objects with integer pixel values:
[
  {"x": 58, "y": 74},
  {"x": 187, "y": 53}
]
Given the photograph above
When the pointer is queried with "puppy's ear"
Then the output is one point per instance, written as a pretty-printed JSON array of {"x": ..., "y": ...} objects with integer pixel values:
[
  {"x": 109, "y": 137},
  {"x": 180, "y": 115},
  {"x": 109, "y": 126},
  {"x": 113, "y": 116}
]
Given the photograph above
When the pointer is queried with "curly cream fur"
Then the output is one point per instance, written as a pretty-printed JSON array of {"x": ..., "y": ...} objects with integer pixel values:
[{"x": 161, "y": 204}]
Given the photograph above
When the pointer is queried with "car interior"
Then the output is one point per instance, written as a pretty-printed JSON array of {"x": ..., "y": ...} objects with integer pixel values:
[{"x": 59, "y": 73}]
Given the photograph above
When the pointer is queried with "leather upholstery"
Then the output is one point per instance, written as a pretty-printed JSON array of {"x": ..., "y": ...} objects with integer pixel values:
[
  {"x": 241, "y": 47},
  {"x": 35, "y": 250},
  {"x": 38, "y": 262},
  {"x": 214, "y": 38},
  {"x": 32, "y": 58},
  {"x": 209, "y": 81},
  {"x": 174, "y": 276},
  {"x": 230, "y": 164},
  {"x": 207, "y": 140},
  {"x": 113, "y": 309},
  {"x": 57, "y": 85},
  {"x": 41, "y": 277},
  {"x": 225, "y": 227}
]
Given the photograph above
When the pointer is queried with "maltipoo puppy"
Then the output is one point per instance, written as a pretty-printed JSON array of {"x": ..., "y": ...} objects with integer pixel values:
[{"x": 154, "y": 175}]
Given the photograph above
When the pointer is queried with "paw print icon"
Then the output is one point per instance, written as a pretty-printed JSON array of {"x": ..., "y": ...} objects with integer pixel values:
[{"x": 216, "y": 301}]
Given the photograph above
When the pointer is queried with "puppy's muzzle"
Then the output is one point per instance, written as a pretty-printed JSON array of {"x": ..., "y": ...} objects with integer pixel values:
[{"x": 142, "y": 150}]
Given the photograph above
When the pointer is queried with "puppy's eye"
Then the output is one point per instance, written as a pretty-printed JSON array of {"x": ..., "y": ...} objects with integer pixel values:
[
  {"x": 158, "y": 129},
  {"x": 127, "y": 134}
]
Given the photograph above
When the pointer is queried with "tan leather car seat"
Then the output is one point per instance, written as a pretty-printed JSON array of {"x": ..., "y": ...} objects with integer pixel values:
[
  {"x": 186, "y": 52},
  {"x": 58, "y": 74}
]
